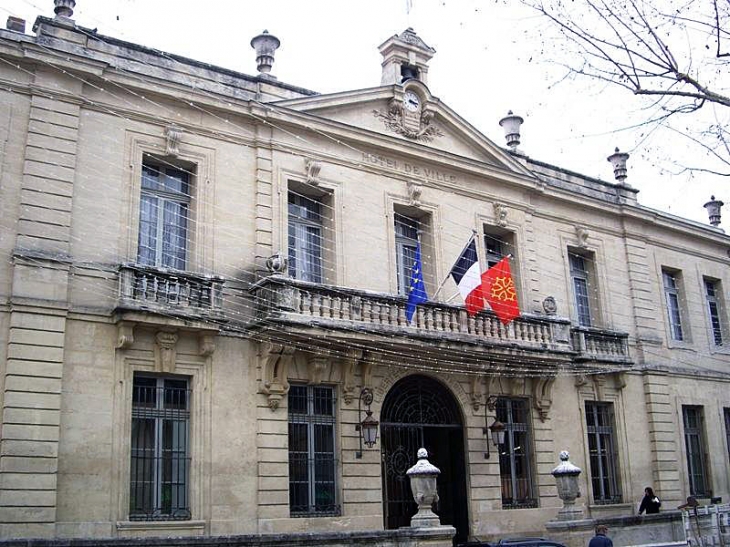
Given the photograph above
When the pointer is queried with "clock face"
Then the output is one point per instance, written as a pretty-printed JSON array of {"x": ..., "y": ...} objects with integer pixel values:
[{"x": 411, "y": 101}]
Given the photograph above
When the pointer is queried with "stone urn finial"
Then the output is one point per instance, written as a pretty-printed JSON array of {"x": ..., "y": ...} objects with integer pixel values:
[
  {"x": 566, "y": 476},
  {"x": 714, "y": 207},
  {"x": 64, "y": 9},
  {"x": 423, "y": 477},
  {"x": 277, "y": 264},
  {"x": 265, "y": 45}
]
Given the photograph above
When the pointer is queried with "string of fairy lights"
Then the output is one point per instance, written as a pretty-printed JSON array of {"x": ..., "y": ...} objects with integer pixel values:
[{"x": 448, "y": 231}]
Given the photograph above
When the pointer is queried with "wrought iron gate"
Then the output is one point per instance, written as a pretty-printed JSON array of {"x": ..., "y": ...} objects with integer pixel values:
[{"x": 420, "y": 412}]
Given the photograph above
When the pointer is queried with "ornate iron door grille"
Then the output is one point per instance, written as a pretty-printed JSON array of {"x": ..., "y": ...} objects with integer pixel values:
[{"x": 419, "y": 412}]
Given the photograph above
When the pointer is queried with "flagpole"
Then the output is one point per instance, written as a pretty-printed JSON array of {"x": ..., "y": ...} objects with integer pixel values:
[{"x": 473, "y": 235}]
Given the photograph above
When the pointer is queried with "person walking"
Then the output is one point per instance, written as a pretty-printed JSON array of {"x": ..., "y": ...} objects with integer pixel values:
[
  {"x": 650, "y": 503},
  {"x": 601, "y": 539}
]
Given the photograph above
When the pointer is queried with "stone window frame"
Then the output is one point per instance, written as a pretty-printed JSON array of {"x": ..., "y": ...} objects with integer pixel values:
[
  {"x": 333, "y": 422},
  {"x": 613, "y": 471},
  {"x": 600, "y": 305},
  {"x": 200, "y": 161},
  {"x": 683, "y": 303},
  {"x": 333, "y": 258},
  {"x": 430, "y": 241},
  {"x": 531, "y": 449},
  {"x": 594, "y": 391},
  {"x": 723, "y": 306},
  {"x": 703, "y": 445},
  {"x": 198, "y": 373}
]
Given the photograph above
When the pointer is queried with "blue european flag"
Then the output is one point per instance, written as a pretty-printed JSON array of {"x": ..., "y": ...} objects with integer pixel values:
[{"x": 417, "y": 290}]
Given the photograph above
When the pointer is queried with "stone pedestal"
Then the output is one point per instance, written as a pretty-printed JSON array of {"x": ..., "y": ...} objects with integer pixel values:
[{"x": 566, "y": 476}]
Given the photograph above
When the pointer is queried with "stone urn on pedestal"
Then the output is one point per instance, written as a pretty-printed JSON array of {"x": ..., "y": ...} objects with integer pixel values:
[
  {"x": 566, "y": 476},
  {"x": 423, "y": 477}
]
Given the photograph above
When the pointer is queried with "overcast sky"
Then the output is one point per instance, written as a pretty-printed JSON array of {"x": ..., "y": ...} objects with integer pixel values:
[{"x": 489, "y": 60}]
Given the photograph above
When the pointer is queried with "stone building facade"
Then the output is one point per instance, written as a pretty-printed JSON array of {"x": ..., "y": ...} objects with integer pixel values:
[{"x": 202, "y": 292}]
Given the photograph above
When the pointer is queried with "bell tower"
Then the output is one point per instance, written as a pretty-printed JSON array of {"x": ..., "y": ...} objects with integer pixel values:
[{"x": 405, "y": 56}]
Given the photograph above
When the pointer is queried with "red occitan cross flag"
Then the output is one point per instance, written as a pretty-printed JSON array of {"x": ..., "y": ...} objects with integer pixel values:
[{"x": 499, "y": 291}]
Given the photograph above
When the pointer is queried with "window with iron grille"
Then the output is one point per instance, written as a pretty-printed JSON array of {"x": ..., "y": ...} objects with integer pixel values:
[
  {"x": 163, "y": 216},
  {"x": 515, "y": 465},
  {"x": 306, "y": 231},
  {"x": 694, "y": 444},
  {"x": 713, "y": 308},
  {"x": 160, "y": 446},
  {"x": 312, "y": 462},
  {"x": 671, "y": 295},
  {"x": 602, "y": 453},
  {"x": 727, "y": 431},
  {"x": 406, "y": 239},
  {"x": 582, "y": 289}
]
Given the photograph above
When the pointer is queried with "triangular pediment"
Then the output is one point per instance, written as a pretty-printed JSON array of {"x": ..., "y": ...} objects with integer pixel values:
[{"x": 432, "y": 124}]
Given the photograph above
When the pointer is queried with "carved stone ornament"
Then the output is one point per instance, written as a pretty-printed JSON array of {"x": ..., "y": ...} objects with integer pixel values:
[
  {"x": 477, "y": 395},
  {"x": 414, "y": 193},
  {"x": 125, "y": 335},
  {"x": 349, "y": 364},
  {"x": 542, "y": 395},
  {"x": 277, "y": 264},
  {"x": 173, "y": 134},
  {"x": 275, "y": 361},
  {"x": 313, "y": 168},
  {"x": 393, "y": 121},
  {"x": 550, "y": 306},
  {"x": 206, "y": 344},
  {"x": 583, "y": 235},
  {"x": 500, "y": 214},
  {"x": 165, "y": 351},
  {"x": 318, "y": 366}
]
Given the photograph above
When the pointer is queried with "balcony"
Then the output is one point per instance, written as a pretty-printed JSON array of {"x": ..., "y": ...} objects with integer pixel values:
[
  {"x": 601, "y": 345},
  {"x": 322, "y": 315},
  {"x": 170, "y": 292}
]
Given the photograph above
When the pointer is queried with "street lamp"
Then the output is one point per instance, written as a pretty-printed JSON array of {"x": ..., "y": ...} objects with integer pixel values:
[
  {"x": 496, "y": 430},
  {"x": 368, "y": 427}
]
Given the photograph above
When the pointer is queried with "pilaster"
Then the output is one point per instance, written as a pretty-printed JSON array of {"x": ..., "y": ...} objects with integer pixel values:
[
  {"x": 31, "y": 410},
  {"x": 662, "y": 438}
]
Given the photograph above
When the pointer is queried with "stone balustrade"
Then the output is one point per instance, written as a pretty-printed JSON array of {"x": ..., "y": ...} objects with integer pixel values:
[
  {"x": 601, "y": 345},
  {"x": 170, "y": 292},
  {"x": 279, "y": 298}
]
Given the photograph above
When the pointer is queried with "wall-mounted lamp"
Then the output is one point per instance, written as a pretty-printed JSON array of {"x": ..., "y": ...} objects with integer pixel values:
[
  {"x": 496, "y": 430},
  {"x": 368, "y": 427}
]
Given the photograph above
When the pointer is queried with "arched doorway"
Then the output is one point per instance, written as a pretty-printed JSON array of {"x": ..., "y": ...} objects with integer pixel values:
[{"x": 420, "y": 412}]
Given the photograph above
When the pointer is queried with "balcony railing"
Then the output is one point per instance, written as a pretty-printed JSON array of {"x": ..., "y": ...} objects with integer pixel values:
[
  {"x": 601, "y": 345},
  {"x": 283, "y": 298},
  {"x": 170, "y": 291},
  {"x": 280, "y": 299}
]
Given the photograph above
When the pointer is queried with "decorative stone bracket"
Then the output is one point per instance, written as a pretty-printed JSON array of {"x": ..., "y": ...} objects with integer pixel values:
[
  {"x": 542, "y": 395},
  {"x": 318, "y": 366},
  {"x": 349, "y": 364},
  {"x": 173, "y": 134},
  {"x": 313, "y": 168},
  {"x": 500, "y": 214},
  {"x": 275, "y": 361},
  {"x": 165, "y": 351}
]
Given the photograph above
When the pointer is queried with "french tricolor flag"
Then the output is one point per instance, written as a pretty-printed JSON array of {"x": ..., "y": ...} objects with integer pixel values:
[{"x": 468, "y": 278}]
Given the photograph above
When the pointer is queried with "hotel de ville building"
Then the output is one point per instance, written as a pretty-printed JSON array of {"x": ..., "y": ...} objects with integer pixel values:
[{"x": 203, "y": 287}]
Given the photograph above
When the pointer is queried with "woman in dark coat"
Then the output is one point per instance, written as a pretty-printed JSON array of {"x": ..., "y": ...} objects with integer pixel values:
[{"x": 650, "y": 503}]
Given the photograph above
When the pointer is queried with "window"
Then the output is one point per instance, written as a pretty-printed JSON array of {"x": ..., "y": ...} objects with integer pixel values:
[
  {"x": 312, "y": 463},
  {"x": 671, "y": 294},
  {"x": 163, "y": 216},
  {"x": 602, "y": 453},
  {"x": 727, "y": 431},
  {"x": 305, "y": 237},
  {"x": 160, "y": 449},
  {"x": 406, "y": 238},
  {"x": 712, "y": 293},
  {"x": 515, "y": 466},
  {"x": 584, "y": 290},
  {"x": 694, "y": 444}
]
